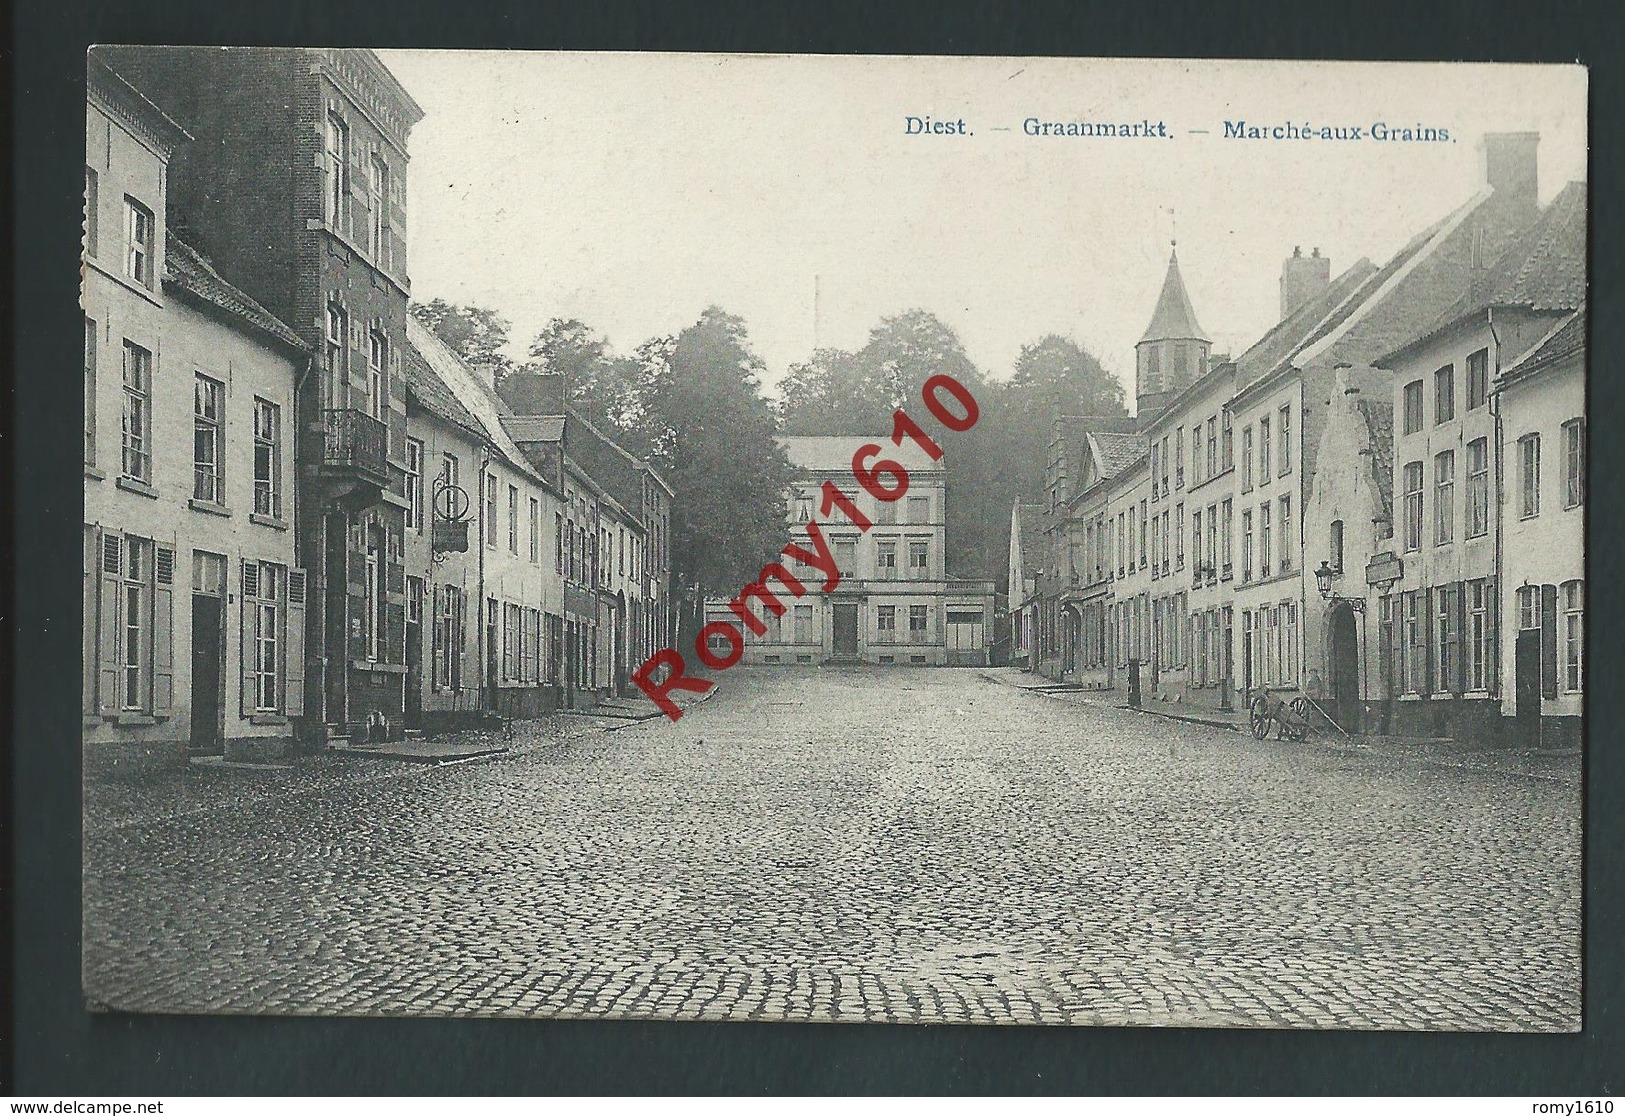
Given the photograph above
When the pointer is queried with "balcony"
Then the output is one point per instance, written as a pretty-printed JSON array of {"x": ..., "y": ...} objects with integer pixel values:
[{"x": 354, "y": 442}]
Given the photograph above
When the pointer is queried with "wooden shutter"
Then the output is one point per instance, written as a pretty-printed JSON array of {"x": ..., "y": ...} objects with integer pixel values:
[
  {"x": 163, "y": 630},
  {"x": 1548, "y": 640},
  {"x": 436, "y": 636},
  {"x": 293, "y": 647},
  {"x": 249, "y": 639},
  {"x": 91, "y": 559},
  {"x": 107, "y": 640}
]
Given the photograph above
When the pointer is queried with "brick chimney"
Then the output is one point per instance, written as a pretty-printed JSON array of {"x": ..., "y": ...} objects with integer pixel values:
[
  {"x": 1510, "y": 166},
  {"x": 1303, "y": 278}
]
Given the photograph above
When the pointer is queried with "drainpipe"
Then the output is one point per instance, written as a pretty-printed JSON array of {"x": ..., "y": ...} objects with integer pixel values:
[
  {"x": 1500, "y": 497},
  {"x": 296, "y": 516},
  {"x": 481, "y": 619}
]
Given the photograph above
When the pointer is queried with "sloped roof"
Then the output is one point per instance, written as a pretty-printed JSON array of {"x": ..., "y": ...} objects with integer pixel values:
[
  {"x": 1379, "y": 429},
  {"x": 827, "y": 454},
  {"x": 185, "y": 269},
  {"x": 1545, "y": 269},
  {"x": 1174, "y": 318},
  {"x": 475, "y": 397},
  {"x": 434, "y": 396},
  {"x": 1117, "y": 452},
  {"x": 1266, "y": 354},
  {"x": 1566, "y": 338}
]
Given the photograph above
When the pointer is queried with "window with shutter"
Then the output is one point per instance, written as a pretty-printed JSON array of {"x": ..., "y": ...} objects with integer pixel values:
[
  {"x": 249, "y": 608},
  {"x": 293, "y": 660},
  {"x": 110, "y": 629}
]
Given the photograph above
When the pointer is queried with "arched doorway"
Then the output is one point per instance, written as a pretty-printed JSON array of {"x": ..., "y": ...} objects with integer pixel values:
[{"x": 1343, "y": 667}]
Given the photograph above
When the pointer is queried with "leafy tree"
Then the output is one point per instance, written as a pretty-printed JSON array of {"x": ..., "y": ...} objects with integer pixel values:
[
  {"x": 600, "y": 385},
  {"x": 835, "y": 392},
  {"x": 1056, "y": 371},
  {"x": 713, "y": 435},
  {"x": 472, "y": 332}
]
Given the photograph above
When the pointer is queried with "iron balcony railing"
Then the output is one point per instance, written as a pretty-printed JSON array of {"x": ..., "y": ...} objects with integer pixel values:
[{"x": 356, "y": 439}]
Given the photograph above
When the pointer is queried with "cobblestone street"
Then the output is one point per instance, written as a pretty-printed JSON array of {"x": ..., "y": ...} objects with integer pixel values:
[{"x": 905, "y": 845}]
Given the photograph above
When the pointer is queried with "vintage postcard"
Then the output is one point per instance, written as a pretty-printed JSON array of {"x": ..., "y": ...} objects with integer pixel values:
[{"x": 850, "y": 539}]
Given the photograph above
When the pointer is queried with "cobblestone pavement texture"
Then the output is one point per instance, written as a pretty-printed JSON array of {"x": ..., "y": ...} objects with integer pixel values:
[{"x": 924, "y": 845}]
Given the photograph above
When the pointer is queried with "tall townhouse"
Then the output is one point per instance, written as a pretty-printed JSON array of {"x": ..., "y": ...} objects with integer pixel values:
[
  {"x": 296, "y": 191},
  {"x": 1457, "y": 526},
  {"x": 1282, "y": 402},
  {"x": 1129, "y": 493},
  {"x": 1027, "y": 551},
  {"x": 895, "y": 603},
  {"x": 194, "y": 600},
  {"x": 631, "y": 615},
  {"x": 1087, "y": 608},
  {"x": 1542, "y": 406},
  {"x": 1084, "y": 451},
  {"x": 1192, "y": 542},
  {"x": 485, "y": 597}
]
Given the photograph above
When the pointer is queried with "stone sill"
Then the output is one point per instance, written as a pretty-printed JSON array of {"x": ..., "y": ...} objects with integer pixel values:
[
  {"x": 208, "y": 508},
  {"x": 140, "y": 488},
  {"x": 378, "y": 668},
  {"x": 93, "y": 473},
  {"x": 268, "y": 719},
  {"x": 268, "y": 521}
]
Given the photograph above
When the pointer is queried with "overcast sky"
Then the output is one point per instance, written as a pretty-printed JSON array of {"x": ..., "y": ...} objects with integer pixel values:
[{"x": 632, "y": 191}]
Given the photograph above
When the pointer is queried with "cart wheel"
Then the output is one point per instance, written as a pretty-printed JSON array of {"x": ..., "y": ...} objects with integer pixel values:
[{"x": 1258, "y": 717}]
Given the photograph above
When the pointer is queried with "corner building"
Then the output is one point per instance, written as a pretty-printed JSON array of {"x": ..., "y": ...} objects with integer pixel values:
[{"x": 296, "y": 189}]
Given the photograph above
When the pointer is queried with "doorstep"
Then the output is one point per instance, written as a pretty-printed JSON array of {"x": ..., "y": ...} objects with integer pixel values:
[{"x": 421, "y": 750}]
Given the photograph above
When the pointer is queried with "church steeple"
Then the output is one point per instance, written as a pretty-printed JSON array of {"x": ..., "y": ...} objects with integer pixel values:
[{"x": 1173, "y": 352}]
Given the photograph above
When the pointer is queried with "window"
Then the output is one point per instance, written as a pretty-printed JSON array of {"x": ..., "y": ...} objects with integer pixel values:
[
  {"x": 451, "y": 473},
  {"x": 1414, "y": 667},
  {"x": 1478, "y": 379},
  {"x": 377, "y": 381},
  {"x": 1413, "y": 505},
  {"x": 1143, "y": 514},
  {"x": 1528, "y": 607},
  {"x": 1444, "y": 502},
  {"x": 1179, "y": 457},
  {"x": 1264, "y": 450},
  {"x": 376, "y": 597},
  {"x": 90, "y": 392},
  {"x": 449, "y": 639},
  {"x": 337, "y": 356},
  {"x": 1529, "y": 475},
  {"x": 92, "y": 210},
  {"x": 138, "y": 246},
  {"x": 918, "y": 560},
  {"x": 267, "y": 626},
  {"x": 558, "y": 542},
  {"x": 1444, "y": 640},
  {"x": 1476, "y": 639},
  {"x": 1227, "y": 451},
  {"x": 1166, "y": 547},
  {"x": 916, "y": 623},
  {"x": 1444, "y": 394},
  {"x": 1224, "y": 535},
  {"x": 1197, "y": 453},
  {"x": 414, "y": 484},
  {"x": 804, "y": 624},
  {"x": 1289, "y": 660},
  {"x": 535, "y": 530},
  {"x": 490, "y": 508},
  {"x": 137, "y": 412},
  {"x": 513, "y": 519},
  {"x": 512, "y": 620},
  {"x": 886, "y": 559},
  {"x": 1413, "y": 406},
  {"x": 1574, "y": 463},
  {"x": 1197, "y": 566},
  {"x": 1573, "y": 636},
  {"x": 919, "y": 509},
  {"x": 1179, "y": 536},
  {"x": 1247, "y": 459},
  {"x": 378, "y": 210},
  {"x": 886, "y": 510},
  {"x": 1164, "y": 463},
  {"x": 1264, "y": 539},
  {"x": 846, "y": 556},
  {"x": 1478, "y": 488},
  {"x": 886, "y": 623},
  {"x": 1212, "y": 540},
  {"x": 208, "y": 420},
  {"x": 1247, "y": 545},
  {"x": 135, "y": 600},
  {"x": 804, "y": 509},
  {"x": 338, "y": 172},
  {"x": 1285, "y": 433}
]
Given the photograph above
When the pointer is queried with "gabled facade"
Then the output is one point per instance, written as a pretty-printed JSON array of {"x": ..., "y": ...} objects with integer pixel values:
[
  {"x": 296, "y": 190},
  {"x": 194, "y": 602}
]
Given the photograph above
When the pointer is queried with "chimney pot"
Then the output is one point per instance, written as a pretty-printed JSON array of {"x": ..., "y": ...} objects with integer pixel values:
[{"x": 1303, "y": 279}]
